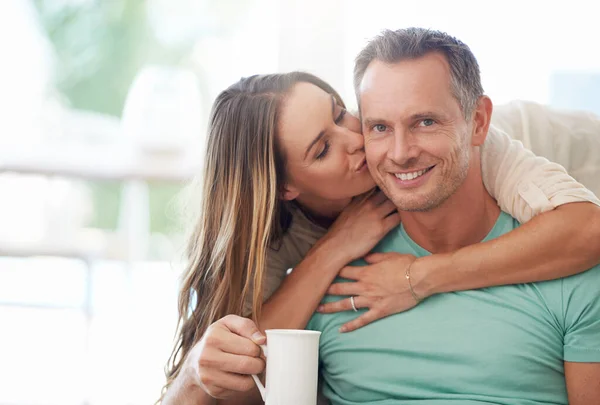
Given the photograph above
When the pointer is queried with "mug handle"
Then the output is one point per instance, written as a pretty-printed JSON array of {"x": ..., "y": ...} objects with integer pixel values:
[{"x": 259, "y": 385}]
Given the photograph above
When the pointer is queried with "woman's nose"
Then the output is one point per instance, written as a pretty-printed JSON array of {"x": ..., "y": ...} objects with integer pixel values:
[{"x": 355, "y": 141}]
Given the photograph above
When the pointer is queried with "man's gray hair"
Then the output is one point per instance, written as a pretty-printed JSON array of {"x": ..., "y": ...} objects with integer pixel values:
[{"x": 411, "y": 43}]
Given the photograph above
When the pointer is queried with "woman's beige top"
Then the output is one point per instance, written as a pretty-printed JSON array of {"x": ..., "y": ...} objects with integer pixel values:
[{"x": 523, "y": 184}]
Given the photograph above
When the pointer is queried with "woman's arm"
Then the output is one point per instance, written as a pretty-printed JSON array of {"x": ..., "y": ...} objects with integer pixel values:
[
  {"x": 561, "y": 242},
  {"x": 181, "y": 392},
  {"x": 555, "y": 244}
]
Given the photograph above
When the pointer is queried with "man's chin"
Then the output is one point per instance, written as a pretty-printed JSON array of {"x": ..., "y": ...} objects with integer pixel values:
[{"x": 414, "y": 203}]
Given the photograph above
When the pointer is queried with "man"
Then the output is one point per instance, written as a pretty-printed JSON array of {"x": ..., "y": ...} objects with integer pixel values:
[{"x": 424, "y": 118}]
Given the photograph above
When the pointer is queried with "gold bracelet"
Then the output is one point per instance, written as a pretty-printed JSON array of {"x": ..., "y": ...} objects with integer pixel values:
[{"x": 412, "y": 291}]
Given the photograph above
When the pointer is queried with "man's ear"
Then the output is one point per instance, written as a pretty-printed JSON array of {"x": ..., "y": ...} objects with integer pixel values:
[
  {"x": 289, "y": 193},
  {"x": 482, "y": 116}
]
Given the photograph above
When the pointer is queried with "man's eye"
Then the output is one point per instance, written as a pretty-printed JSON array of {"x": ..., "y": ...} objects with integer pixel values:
[
  {"x": 379, "y": 128},
  {"x": 426, "y": 122}
]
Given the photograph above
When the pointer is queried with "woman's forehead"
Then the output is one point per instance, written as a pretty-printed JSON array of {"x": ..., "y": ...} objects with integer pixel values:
[
  {"x": 306, "y": 104},
  {"x": 305, "y": 95},
  {"x": 307, "y": 112}
]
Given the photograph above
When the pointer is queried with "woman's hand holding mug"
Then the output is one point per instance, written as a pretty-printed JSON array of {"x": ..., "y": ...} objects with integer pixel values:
[{"x": 222, "y": 362}]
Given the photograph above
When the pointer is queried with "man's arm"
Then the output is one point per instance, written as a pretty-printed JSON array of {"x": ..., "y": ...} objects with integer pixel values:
[{"x": 583, "y": 382}]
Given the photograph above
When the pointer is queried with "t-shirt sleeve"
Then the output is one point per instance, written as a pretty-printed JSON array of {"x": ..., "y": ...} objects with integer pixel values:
[
  {"x": 581, "y": 313},
  {"x": 276, "y": 270},
  {"x": 523, "y": 184}
]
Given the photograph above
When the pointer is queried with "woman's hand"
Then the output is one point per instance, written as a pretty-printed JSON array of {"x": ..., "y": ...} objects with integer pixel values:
[
  {"x": 223, "y": 360},
  {"x": 381, "y": 286},
  {"x": 362, "y": 224}
]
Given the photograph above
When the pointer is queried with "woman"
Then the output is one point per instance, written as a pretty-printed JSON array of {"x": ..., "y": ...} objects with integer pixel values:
[{"x": 276, "y": 195}]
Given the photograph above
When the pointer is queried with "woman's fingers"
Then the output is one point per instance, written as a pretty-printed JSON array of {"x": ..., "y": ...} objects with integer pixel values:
[
  {"x": 223, "y": 339},
  {"x": 375, "y": 258},
  {"x": 386, "y": 208},
  {"x": 226, "y": 356},
  {"x": 345, "y": 289},
  {"x": 370, "y": 316},
  {"x": 344, "y": 305},
  {"x": 221, "y": 385},
  {"x": 223, "y": 350},
  {"x": 378, "y": 198},
  {"x": 243, "y": 327},
  {"x": 232, "y": 363},
  {"x": 391, "y": 221},
  {"x": 351, "y": 273}
]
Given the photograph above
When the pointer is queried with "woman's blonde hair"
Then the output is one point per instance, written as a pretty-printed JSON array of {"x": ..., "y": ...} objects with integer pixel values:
[{"x": 240, "y": 212}]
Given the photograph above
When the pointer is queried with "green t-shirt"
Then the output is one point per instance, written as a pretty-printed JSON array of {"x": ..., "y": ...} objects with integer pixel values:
[{"x": 499, "y": 345}]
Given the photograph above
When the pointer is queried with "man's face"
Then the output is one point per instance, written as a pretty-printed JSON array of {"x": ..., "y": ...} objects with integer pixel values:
[{"x": 416, "y": 138}]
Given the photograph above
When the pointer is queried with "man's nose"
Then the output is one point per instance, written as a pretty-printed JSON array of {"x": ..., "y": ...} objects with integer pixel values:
[{"x": 403, "y": 147}]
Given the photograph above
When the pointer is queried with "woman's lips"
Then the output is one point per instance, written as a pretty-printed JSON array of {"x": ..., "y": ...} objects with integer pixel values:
[{"x": 362, "y": 165}]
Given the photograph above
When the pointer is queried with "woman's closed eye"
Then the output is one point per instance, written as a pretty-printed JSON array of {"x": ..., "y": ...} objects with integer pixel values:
[
  {"x": 323, "y": 151},
  {"x": 340, "y": 116}
]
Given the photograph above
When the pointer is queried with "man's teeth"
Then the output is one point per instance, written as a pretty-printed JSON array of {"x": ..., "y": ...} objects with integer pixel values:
[{"x": 410, "y": 176}]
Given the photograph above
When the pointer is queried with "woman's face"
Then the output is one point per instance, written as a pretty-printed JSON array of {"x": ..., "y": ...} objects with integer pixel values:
[{"x": 323, "y": 146}]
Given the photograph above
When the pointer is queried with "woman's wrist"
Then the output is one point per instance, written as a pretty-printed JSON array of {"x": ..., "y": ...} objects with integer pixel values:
[
  {"x": 333, "y": 251},
  {"x": 194, "y": 394},
  {"x": 427, "y": 274},
  {"x": 187, "y": 395},
  {"x": 186, "y": 390}
]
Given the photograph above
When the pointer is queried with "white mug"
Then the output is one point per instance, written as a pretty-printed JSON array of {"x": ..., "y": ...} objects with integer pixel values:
[{"x": 292, "y": 367}]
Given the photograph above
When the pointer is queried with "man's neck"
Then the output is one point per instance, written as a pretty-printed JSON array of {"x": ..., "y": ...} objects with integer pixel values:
[{"x": 463, "y": 219}]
